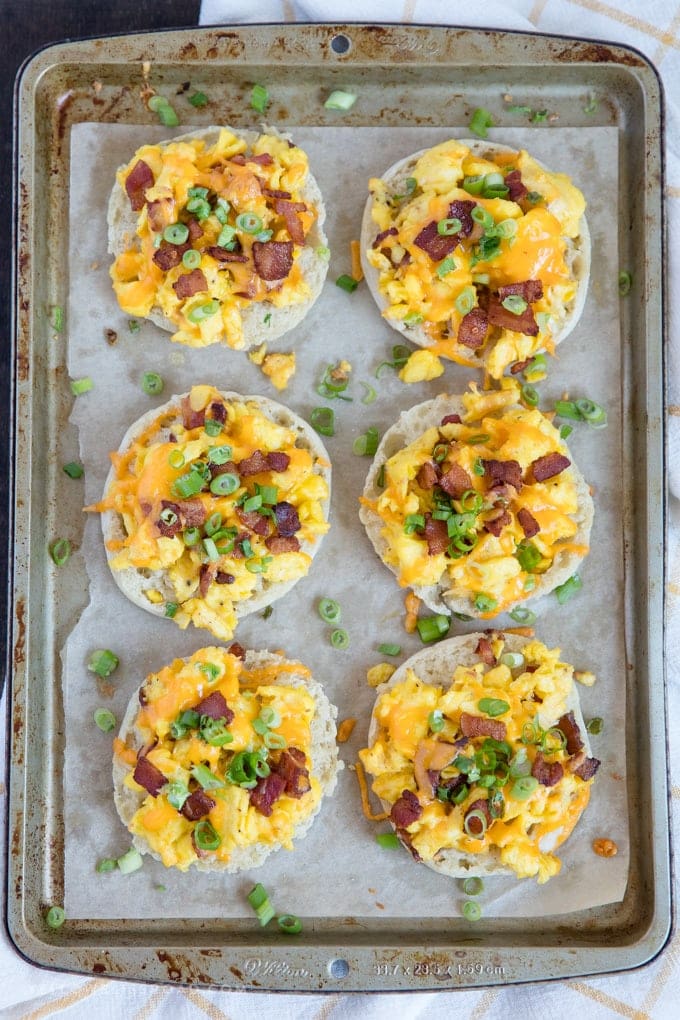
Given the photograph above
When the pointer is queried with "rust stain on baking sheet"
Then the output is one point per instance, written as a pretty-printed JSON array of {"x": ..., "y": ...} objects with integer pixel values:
[
  {"x": 181, "y": 969},
  {"x": 596, "y": 53},
  {"x": 20, "y": 643}
]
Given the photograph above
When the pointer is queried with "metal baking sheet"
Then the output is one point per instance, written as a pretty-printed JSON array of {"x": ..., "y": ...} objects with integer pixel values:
[{"x": 415, "y": 77}]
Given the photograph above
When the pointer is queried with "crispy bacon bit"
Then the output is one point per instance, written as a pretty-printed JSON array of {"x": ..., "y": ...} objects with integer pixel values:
[
  {"x": 188, "y": 284},
  {"x": 228, "y": 468},
  {"x": 519, "y": 366},
  {"x": 267, "y": 792},
  {"x": 273, "y": 259},
  {"x": 503, "y": 471},
  {"x": 218, "y": 411},
  {"x": 524, "y": 322},
  {"x": 237, "y": 650},
  {"x": 282, "y": 544},
  {"x": 263, "y": 159},
  {"x": 215, "y": 706},
  {"x": 273, "y": 193},
  {"x": 254, "y": 521},
  {"x": 480, "y": 726},
  {"x": 547, "y": 773},
  {"x": 436, "y": 245},
  {"x": 192, "y": 419},
  {"x": 141, "y": 696},
  {"x": 195, "y": 229},
  {"x": 289, "y": 211},
  {"x": 497, "y": 521},
  {"x": 277, "y": 460},
  {"x": 287, "y": 520},
  {"x": 168, "y": 255},
  {"x": 528, "y": 523},
  {"x": 292, "y": 767},
  {"x": 568, "y": 725},
  {"x": 405, "y": 839},
  {"x": 485, "y": 651},
  {"x": 550, "y": 465},
  {"x": 382, "y": 235},
  {"x": 428, "y": 475},
  {"x": 451, "y": 785},
  {"x": 169, "y": 530},
  {"x": 224, "y": 255},
  {"x": 158, "y": 213},
  {"x": 406, "y": 810},
  {"x": 253, "y": 465},
  {"x": 239, "y": 159},
  {"x": 516, "y": 189},
  {"x": 222, "y": 577},
  {"x": 206, "y": 577},
  {"x": 456, "y": 481},
  {"x": 137, "y": 181},
  {"x": 192, "y": 512},
  {"x": 451, "y": 419},
  {"x": 237, "y": 552},
  {"x": 473, "y": 328},
  {"x": 148, "y": 776},
  {"x": 588, "y": 769},
  {"x": 502, "y": 493},
  {"x": 197, "y": 805},
  {"x": 530, "y": 290},
  {"x": 197, "y": 850},
  {"x": 436, "y": 536}
]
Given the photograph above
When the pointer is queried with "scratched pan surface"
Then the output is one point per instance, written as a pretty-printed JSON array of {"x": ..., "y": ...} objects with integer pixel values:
[{"x": 417, "y": 76}]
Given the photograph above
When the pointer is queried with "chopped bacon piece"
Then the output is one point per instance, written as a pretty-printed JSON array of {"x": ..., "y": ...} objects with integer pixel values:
[
  {"x": 159, "y": 213},
  {"x": 237, "y": 650},
  {"x": 224, "y": 255},
  {"x": 254, "y": 521},
  {"x": 428, "y": 475},
  {"x": 499, "y": 520},
  {"x": 475, "y": 825},
  {"x": 405, "y": 839},
  {"x": 524, "y": 322},
  {"x": 451, "y": 419},
  {"x": 137, "y": 181},
  {"x": 406, "y": 810},
  {"x": 568, "y": 725},
  {"x": 503, "y": 471},
  {"x": 228, "y": 468},
  {"x": 267, "y": 792},
  {"x": 550, "y": 465},
  {"x": 390, "y": 232},
  {"x": 282, "y": 544},
  {"x": 451, "y": 785},
  {"x": 289, "y": 211},
  {"x": 188, "y": 284},
  {"x": 197, "y": 850},
  {"x": 480, "y": 726},
  {"x": 168, "y": 255},
  {"x": 145, "y": 507},
  {"x": 292, "y": 766},
  {"x": 436, "y": 536},
  {"x": 530, "y": 290},
  {"x": 516, "y": 189},
  {"x": 218, "y": 411},
  {"x": 142, "y": 698},
  {"x": 215, "y": 706},
  {"x": 437, "y": 245},
  {"x": 528, "y": 523},
  {"x": 148, "y": 776},
  {"x": 547, "y": 773},
  {"x": 206, "y": 577},
  {"x": 197, "y": 805},
  {"x": 277, "y": 460},
  {"x": 169, "y": 530},
  {"x": 195, "y": 229},
  {"x": 237, "y": 552},
  {"x": 193, "y": 512},
  {"x": 485, "y": 651},
  {"x": 456, "y": 481},
  {"x": 462, "y": 210},
  {"x": 287, "y": 520},
  {"x": 519, "y": 366},
  {"x": 263, "y": 159},
  {"x": 239, "y": 159},
  {"x": 588, "y": 769},
  {"x": 273, "y": 193},
  {"x": 473, "y": 328},
  {"x": 273, "y": 259},
  {"x": 222, "y": 577},
  {"x": 254, "y": 464}
]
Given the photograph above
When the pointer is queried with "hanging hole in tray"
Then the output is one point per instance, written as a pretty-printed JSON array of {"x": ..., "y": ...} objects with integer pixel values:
[
  {"x": 338, "y": 968},
  {"x": 340, "y": 44}
]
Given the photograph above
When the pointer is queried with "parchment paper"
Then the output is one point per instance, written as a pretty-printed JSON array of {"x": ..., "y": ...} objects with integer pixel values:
[{"x": 338, "y": 869}]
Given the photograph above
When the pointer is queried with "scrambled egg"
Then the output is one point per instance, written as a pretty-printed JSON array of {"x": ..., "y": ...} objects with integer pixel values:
[
  {"x": 194, "y": 760},
  {"x": 420, "y": 735},
  {"x": 215, "y": 547},
  {"x": 530, "y": 239},
  {"x": 234, "y": 197},
  {"x": 491, "y": 571}
]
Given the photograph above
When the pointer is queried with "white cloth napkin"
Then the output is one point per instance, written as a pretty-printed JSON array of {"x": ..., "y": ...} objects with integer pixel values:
[{"x": 653, "y": 27}]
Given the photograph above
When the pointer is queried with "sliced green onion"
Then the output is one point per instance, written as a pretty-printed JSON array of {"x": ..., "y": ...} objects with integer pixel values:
[
  {"x": 176, "y": 794},
  {"x": 212, "y": 427},
  {"x": 472, "y": 910},
  {"x": 478, "y": 467},
  {"x": 249, "y": 222},
  {"x": 625, "y": 282},
  {"x": 388, "y": 841},
  {"x": 323, "y": 252},
  {"x": 259, "y": 98},
  {"x": 514, "y": 303},
  {"x": 226, "y": 236},
  {"x": 431, "y": 628},
  {"x": 471, "y": 501},
  {"x": 473, "y": 184},
  {"x": 568, "y": 409},
  {"x": 389, "y": 649},
  {"x": 205, "y": 835},
  {"x": 475, "y": 824},
  {"x": 73, "y": 469},
  {"x": 567, "y": 590},
  {"x": 176, "y": 233},
  {"x": 482, "y": 216},
  {"x": 347, "y": 283},
  {"x": 219, "y": 454},
  {"x": 211, "y": 550},
  {"x": 435, "y": 720},
  {"x": 448, "y": 227},
  {"x": 133, "y": 326},
  {"x": 473, "y": 886},
  {"x": 202, "y": 209},
  {"x": 57, "y": 318},
  {"x": 152, "y": 384},
  {"x": 329, "y": 610},
  {"x": 224, "y": 485},
  {"x": 506, "y": 228},
  {"x": 466, "y": 300},
  {"x": 205, "y": 778},
  {"x": 413, "y": 522},
  {"x": 514, "y": 108},
  {"x": 513, "y": 660},
  {"x": 539, "y": 116},
  {"x": 591, "y": 105},
  {"x": 553, "y": 740},
  {"x": 198, "y": 100},
  {"x": 566, "y": 431},
  {"x": 413, "y": 319},
  {"x": 595, "y": 725},
  {"x": 530, "y": 395},
  {"x": 480, "y": 121},
  {"x": 493, "y": 706},
  {"x": 191, "y": 537},
  {"x": 130, "y": 861},
  {"x": 289, "y": 924},
  {"x": 55, "y": 917},
  {"x": 188, "y": 485},
  {"x": 203, "y": 311},
  {"x": 534, "y": 197},
  {"x": 259, "y": 901},
  {"x": 366, "y": 444},
  {"x": 80, "y": 386},
  {"x": 537, "y": 366},
  {"x": 274, "y": 741},
  {"x": 176, "y": 459},
  {"x": 103, "y": 662},
  {"x": 105, "y": 720},
  {"x": 191, "y": 259},
  {"x": 478, "y": 439},
  {"x": 528, "y": 556},
  {"x": 171, "y": 609},
  {"x": 523, "y": 787},
  {"x": 380, "y": 480},
  {"x": 270, "y": 716},
  {"x": 106, "y": 865},
  {"x": 339, "y": 100},
  {"x": 252, "y": 503},
  {"x": 593, "y": 413},
  {"x": 445, "y": 267},
  {"x": 370, "y": 394},
  {"x": 485, "y": 603},
  {"x": 340, "y": 638},
  {"x": 322, "y": 419}
]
